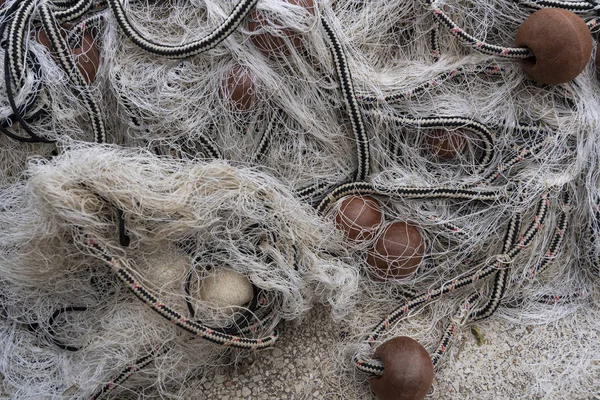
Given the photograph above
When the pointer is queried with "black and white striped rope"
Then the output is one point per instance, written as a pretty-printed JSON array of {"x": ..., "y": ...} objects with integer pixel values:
[
  {"x": 556, "y": 299},
  {"x": 395, "y": 143},
  {"x": 528, "y": 128},
  {"x": 16, "y": 41},
  {"x": 25, "y": 112},
  {"x": 313, "y": 191},
  {"x": 66, "y": 61},
  {"x": 127, "y": 372},
  {"x": 65, "y": 4},
  {"x": 510, "y": 162},
  {"x": 430, "y": 84},
  {"x": 485, "y": 135},
  {"x": 474, "y": 43},
  {"x": 364, "y": 188},
  {"x": 551, "y": 299},
  {"x": 593, "y": 24},
  {"x": 6, "y": 17},
  {"x": 265, "y": 140},
  {"x": 369, "y": 365},
  {"x": 443, "y": 192},
  {"x": 573, "y": 6},
  {"x": 62, "y": 4},
  {"x": 208, "y": 146},
  {"x": 557, "y": 237},
  {"x": 346, "y": 189},
  {"x": 455, "y": 322},
  {"x": 502, "y": 275},
  {"x": 442, "y": 348},
  {"x": 434, "y": 42},
  {"x": 346, "y": 85},
  {"x": 450, "y": 227},
  {"x": 226, "y": 28},
  {"x": 79, "y": 29},
  {"x": 170, "y": 314},
  {"x": 76, "y": 11}
]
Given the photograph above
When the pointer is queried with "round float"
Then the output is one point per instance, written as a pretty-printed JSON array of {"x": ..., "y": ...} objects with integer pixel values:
[
  {"x": 398, "y": 251},
  {"x": 407, "y": 373},
  {"x": 359, "y": 217},
  {"x": 561, "y": 44}
]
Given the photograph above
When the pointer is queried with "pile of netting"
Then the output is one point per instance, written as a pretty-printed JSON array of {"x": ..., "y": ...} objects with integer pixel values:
[
  {"x": 228, "y": 136},
  {"x": 65, "y": 275}
]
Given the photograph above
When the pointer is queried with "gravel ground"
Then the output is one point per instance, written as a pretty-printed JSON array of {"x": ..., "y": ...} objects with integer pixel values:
[
  {"x": 494, "y": 364},
  {"x": 493, "y": 367}
]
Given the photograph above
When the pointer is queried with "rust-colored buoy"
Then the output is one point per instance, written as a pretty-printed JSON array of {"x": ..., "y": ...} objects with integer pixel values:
[
  {"x": 561, "y": 44},
  {"x": 273, "y": 44},
  {"x": 398, "y": 251},
  {"x": 238, "y": 88},
  {"x": 407, "y": 370},
  {"x": 446, "y": 144},
  {"x": 87, "y": 54},
  {"x": 359, "y": 217}
]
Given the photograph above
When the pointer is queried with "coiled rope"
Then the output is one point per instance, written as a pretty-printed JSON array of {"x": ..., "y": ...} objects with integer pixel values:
[
  {"x": 186, "y": 50},
  {"x": 364, "y": 188}
]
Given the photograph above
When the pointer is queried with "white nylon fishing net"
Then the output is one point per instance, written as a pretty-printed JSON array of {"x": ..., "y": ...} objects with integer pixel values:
[{"x": 187, "y": 212}]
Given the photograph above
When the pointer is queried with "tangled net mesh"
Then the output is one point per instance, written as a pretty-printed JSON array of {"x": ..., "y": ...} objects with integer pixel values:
[
  {"x": 184, "y": 217},
  {"x": 436, "y": 114}
]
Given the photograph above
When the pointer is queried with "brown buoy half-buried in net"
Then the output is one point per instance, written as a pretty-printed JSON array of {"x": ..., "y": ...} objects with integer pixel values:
[
  {"x": 444, "y": 144},
  {"x": 561, "y": 44},
  {"x": 238, "y": 88},
  {"x": 359, "y": 217},
  {"x": 272, "y": 43},
  {"x": 407, "y": 370},
  {"x": 86, "y": 54},
  {"x": 398, "y": 251}
]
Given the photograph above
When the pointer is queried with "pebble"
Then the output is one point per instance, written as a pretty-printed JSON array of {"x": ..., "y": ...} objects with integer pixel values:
[
  {"x": 246, "y": 392},
  {"x": 277, "y": 353}
]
